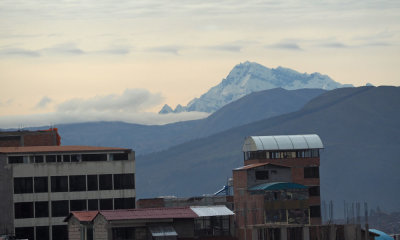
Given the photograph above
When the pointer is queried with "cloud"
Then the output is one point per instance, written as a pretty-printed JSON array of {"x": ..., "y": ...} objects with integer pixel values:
[
  {"x": 130, "y": 100},
  {"x": 334, "y": 45},
  {"x": 226, "y": 47},
  {"x": 43, "y": 102},
  {"x": 166, "y": 49},
  {"x": 19, "y": 52},
  {"x": 286, "y": 45},
  {"x": 55, "y": 118},
  {"x": 7, "y": 102},
  {"x": 64, "y": 49}
]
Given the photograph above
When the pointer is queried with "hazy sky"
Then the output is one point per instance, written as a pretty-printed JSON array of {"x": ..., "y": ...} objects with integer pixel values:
[{"x": 67, "y": 60}]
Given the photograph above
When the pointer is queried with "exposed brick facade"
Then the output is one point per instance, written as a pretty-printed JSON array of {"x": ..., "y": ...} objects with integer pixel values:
[{"x": 30, "y": 138}]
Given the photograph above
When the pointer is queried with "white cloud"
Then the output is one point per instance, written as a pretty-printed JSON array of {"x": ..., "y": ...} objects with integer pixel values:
[
  {"x": 130, "y": 100},
  {"x": 43, "y": 102}
]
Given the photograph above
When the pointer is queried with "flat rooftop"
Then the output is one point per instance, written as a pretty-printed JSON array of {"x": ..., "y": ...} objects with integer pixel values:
[{"x": 59, "y": 149}]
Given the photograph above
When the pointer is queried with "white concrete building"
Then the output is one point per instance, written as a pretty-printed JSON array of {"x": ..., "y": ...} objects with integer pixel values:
[{"x": 40, "y": 185}]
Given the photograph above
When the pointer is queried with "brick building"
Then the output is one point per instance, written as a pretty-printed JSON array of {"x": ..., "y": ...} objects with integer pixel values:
[
  {"x": 22, "y": 138},
  {"x": 292, "y": 160},
  {"x": 40, "y": 185}
]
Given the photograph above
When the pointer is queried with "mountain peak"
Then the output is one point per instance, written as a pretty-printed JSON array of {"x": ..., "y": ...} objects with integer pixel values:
[{"x": 165, "y": 109}]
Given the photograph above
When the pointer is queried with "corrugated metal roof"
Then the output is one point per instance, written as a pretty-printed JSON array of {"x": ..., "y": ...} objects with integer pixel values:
[
  {"x": 255, "y": 165},
  {"x": 162, "y": 231},
  {"x": 209, "y": 211},
  {"x": 149, "y": 213},
  {"x": 282, "y": 142},
  {"x": 277, "y": 186},
  {"x": 55, "y": 149}
]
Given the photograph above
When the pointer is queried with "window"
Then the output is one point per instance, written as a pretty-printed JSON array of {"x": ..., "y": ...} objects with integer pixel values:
[
  {"x": 41, "y": 184},
  {"x": 24, "y": 233},
  {"x": 92, "y": 183},
  {"x": 77, "y": 183},
  {"x": 311, "y": 172},
  {"x": 39, "y": 159},
  {"x": 42, "y": 233},
  {"x": 78, "y": 205},
  {"x": 59, "y": 208},
  {"x": 119, "y": 156},
  {"x": 93, "y": 204},
  {"x": 261, "y": 175},
  {"x": 75, "y": 158},
  {"x": 23, "y": 185},
  {"x": 105, "y": 181},
  {"x": 23, "y": 210},
  {"x": 124, "y": 203},
  {"x": 124, "y": 181},
  {"x": 123, "y": 233},
  {"x": 41, "y": 209},
  {"x": 315, "y": 211},
  {"x": 94, "y": 157},
  {"x": 314, "y": 191},
  {"x": 60, "y": 232},
  {"x": 106, "y": 204},
  {"x": 51, "y": 158},
  {"x": 66, "y": 158},
  {"x": 15, "y": 159},
  {"x": 59, "y": 184}
]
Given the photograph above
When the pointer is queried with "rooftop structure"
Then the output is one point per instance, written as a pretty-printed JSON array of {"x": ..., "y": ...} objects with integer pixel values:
[{"x": 22, "y": 138}]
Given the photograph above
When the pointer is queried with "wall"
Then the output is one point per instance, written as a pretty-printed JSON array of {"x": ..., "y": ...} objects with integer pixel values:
[{"x": 6, "y": 201}]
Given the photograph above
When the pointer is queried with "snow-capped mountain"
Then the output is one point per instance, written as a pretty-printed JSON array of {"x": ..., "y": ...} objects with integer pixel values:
[{"x": 251, "y": 77}]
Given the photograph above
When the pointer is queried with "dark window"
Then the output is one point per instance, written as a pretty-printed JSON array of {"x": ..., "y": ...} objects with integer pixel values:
[
  {"x": 123, "y": 233},
  {"x": 24, "y": 233},
  {"x": 42, "y": 233},
  {"x": 15, "y": 159},
  {"x": 124, "y": 203},
  {"x": 59, "y": 184},
  {"x": 78, "y": 205},
  {"x": 94, "y": 157},
  {"x": 92, "y": 183},
  {"x": 106, "y": 204},
  {"x": 76, "y": 158},
  {"x": 105, "y": 181},
  {"x": 314, "y": 191},
  {"x": 66, "y": 158},
  {"x": 59, "y": 158},
  {"x": 23, "y": 185},
  {"x": 89, "y": 233},
  {"x": 261, "y": 175},
  {"x": 311, "y": 172},
  {"x": 77, "y": 183},
  {"x": 39, "y": 159},
  {"x": 41, "y": 209},
  {"x": 120, "y": 156},
  {"x": 41, "y": 184},
  {"x": 315, "y": 211},
  {"x": 50, "y": 158},
  {"x": 124, "y": 181},
  {"x": 60, "y": 232},
  {"x": 23, "y": 210},
  {"x": 93, "y": 204},
  {"x": 59, "y": 208}
]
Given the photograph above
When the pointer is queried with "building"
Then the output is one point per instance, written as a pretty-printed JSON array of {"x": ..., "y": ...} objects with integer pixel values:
[
  {"x": 40, "y": 185},
  {"x": 279, "y": 182},
  {"x": 196, "y": 222},
  {"x": 22, "y": 138}
]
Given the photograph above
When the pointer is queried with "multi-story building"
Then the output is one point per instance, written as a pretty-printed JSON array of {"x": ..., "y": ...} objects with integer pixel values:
[
  {"x": 40, "y": 185},
  {"x": 279, "y": 179}
]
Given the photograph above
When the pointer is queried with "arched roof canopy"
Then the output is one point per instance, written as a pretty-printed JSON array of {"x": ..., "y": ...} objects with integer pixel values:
[{"x": 282, "y": 142}]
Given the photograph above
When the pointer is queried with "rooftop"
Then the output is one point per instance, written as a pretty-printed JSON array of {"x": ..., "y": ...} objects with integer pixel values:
[
  {"x": 277, "y": 186},
  {"x": 56, "y": 149},
  {"x": 282, "y": 142},
  {"x": 256, "y": 165}
]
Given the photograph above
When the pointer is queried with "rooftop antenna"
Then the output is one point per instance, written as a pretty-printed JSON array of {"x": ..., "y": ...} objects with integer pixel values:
[{"x": 366, "y": 220}]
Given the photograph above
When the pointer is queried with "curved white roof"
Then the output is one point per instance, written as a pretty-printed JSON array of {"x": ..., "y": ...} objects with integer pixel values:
[{"x": 282, "y": 142}]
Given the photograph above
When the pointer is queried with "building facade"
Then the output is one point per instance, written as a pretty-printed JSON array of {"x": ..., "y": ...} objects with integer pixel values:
[
  {"x": 22, "y": 138},
  {"x": 40, "y": 185}
]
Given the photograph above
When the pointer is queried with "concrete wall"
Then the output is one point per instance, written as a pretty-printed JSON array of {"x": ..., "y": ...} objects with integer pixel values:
[
  {"x": 6, "y": 201},
  {"x": 74, "y": 232},
  {"x": 282, "y": 175},
  {"x": 100, "y": 229}
]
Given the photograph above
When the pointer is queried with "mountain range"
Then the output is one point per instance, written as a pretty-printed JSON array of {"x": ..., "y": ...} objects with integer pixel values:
[
  {"x": 358, "y": 126},
  {"x": 249, "y": 77},
  {"x": 152, "y": 138}
]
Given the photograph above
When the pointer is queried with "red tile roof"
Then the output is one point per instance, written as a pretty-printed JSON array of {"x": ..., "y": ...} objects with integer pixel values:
[
  {"x": 255, "y": 165},
  {"x": 149, "y": 213},
  {"x": 55, "y": 149},
  {"x": 84, "y": 216}
]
